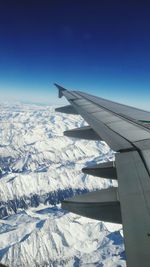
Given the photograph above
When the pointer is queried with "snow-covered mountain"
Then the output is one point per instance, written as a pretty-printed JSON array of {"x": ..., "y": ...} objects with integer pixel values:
[{"x": 38, "y": 168}]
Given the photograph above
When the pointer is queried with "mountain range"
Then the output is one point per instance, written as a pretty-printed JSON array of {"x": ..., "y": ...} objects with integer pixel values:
[{"x": 39, "y": 167}]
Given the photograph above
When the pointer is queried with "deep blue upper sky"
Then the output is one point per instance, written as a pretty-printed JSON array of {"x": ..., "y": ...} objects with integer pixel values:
[{"x": 97, "y": 46}]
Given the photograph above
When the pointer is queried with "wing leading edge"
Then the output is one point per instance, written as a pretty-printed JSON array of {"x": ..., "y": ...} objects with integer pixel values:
[{"x": 122, "y": 128}]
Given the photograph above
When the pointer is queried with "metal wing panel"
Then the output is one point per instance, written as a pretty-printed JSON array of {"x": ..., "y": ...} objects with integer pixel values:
[
  {"x": 121, "y": 109},
  {"x": 115, "y": 141},
  {"x": 105, "y": 117},
  {"x": 85, "y": 132},
  {"x": 129, "y": 130},
  {"x": 116, "y": 130},
  {"x": 91, "y": 108},
  {"x": 98, "y": 205},
  {"x": 144, "y": 148},
  {"x": 134, "y": 195},
  {"x": 104, "y": 170},
  {"x": 81, "y": 101},
  {"x": 69, "y": 109}
]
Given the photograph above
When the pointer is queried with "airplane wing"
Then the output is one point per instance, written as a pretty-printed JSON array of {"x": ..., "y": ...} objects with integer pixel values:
[{"x": 127, "y": 131}]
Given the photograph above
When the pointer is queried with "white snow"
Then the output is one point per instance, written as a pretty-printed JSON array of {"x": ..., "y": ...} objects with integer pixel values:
[{"x": 39, "y": 167}]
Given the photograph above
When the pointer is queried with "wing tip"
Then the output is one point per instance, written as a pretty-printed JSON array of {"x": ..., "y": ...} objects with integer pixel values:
[{"x": 60, "y": 90}]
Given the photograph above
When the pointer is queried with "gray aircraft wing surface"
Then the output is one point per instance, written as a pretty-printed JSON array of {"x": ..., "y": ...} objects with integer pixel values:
[{"x": 127, "y": 131}]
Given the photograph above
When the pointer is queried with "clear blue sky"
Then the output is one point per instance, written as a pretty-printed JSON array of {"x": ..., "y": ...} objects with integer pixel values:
[{"x": 101, "y": 47}]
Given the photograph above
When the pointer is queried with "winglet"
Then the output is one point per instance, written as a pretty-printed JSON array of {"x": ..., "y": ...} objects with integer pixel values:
[{"x": 60, "y": 90}]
